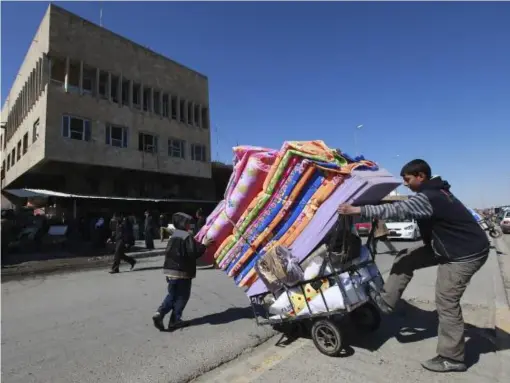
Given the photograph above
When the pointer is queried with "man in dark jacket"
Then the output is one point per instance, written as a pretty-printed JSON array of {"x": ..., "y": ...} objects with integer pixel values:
[
  {"x": 180, "y": 268},
  {"x": 452, "y": 240},
  {"x": 121, "y": 236},
  {"x": 200, "y": 220},
  {"x": 149, "y": 231}
]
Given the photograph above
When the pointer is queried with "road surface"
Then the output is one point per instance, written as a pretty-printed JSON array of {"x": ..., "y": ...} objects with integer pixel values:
[{"x": 94, "y": 327}]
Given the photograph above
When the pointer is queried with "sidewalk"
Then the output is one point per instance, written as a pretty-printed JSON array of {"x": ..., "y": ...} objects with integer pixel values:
[{"x": 64, "y": 262}]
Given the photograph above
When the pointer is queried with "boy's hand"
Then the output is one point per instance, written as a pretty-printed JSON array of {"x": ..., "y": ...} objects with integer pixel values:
[
  {"x": 208, "y": 242},
  {"x": 346, "y": 209}
]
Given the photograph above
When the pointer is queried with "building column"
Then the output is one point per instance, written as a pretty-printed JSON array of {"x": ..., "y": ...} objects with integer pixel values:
[
  {"x": 169, "y": 106},
  {"x": 66, "y": 78},
  {"x": 109, "y": 87},
  {"x": 130, "y": 96},
  {"x": 185, "y": 111},
  {"x": 97, "y": 83},
  {"x": 199, "y": 115},
  {"x": 119, "y": 90},
  {"x": 81, "y": 78}
]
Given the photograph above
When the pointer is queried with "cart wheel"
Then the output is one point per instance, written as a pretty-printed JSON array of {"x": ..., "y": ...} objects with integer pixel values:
[
  {"x": 366, "y": 318},
  {"x": 327, "y": 337}
]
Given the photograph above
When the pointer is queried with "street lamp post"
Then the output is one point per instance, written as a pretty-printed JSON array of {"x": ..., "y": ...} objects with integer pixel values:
[{"x": 359, "y": 127}]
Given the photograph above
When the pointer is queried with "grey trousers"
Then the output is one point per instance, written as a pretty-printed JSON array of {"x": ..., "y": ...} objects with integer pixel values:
[{"x": 452, "y": 280}]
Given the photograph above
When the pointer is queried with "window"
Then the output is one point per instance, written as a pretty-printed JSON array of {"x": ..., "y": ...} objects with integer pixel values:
[
  {"x": 35, "y": 131},
  {"x": 136, "y": 95},
  {"x": 183, "y": 110},
  {"x": 103, "y": 84},
  {"x": 125, "y": 92},
  {"x": 190, "y": 113},
  {"x": 8, "y": 161},
  {"x": 147, "y": 143},
  {"x": 157, "y": 105},
  {"x": 73, "y": 80},
  {"x": 116, "y": 136},
  {"x": 198, "y": 152},
  {"x": 89, "y": 80},
  {"x": 2, "y": 139},
  {"x": 76, "y": 128},
  {"x": 115, "y": 89},
  {"x": 19, "y": 149},
  {"x": 176, "y": 148},
  {"x": 25, "y": 143},
  {"x": 205, "y": 118},
  {"x": 13, "y": 156},
  {"x": 197, "y": 115},
  {"x": 3, "y": 170},
  {"x": 165, "y": 105},
  {"x": 58, "y": 70},
  {"x": 146, "y": 99},
  {"x": 174, "y": 107}
]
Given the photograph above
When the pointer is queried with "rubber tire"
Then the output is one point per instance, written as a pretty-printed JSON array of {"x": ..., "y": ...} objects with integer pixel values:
[
  {"x": 361, "y": 314},
  {"x": 415, "y": 236},
  {"x": 331, "y": 329},
  {"x": 495, "y": 233}
]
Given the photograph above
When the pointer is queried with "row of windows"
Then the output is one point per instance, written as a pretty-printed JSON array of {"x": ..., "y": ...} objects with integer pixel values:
[
  {"x": 108, "y": 86},
  {"x": 77, "y": 128},
  {"x": 21, "y": 148},
  {"x": 26, "y": 99}
]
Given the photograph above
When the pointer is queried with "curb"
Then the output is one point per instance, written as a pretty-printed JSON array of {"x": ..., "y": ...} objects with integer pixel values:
[
  {"x": 502, "y": 307},
  {"x": 80, "y": 264}
]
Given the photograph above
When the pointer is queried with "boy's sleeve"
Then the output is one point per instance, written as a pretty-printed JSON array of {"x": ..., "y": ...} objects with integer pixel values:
[
  {"x": 417, "y": 207},
  {"x": 195, "y": 248}
]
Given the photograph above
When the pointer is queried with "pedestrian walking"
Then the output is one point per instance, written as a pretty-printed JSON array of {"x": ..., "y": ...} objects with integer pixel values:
[
  {"x": 180, "y": 268},
  {"x": 120, "y": 237},
  {"x": 149, "y": 231},
  {"x": 452, "y": 240},
  {"x": 163, "y": 223},
  {"x": 381, "y": 235}
]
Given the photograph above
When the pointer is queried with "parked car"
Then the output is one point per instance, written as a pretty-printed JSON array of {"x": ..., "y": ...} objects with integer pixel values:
[
  {"x": 403, "y": 229},
  {"x": 363, "y": 226},
  {"x": 505, "y": 222}
]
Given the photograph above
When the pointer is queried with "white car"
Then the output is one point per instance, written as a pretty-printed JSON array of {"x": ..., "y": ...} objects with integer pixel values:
[{"x": 406, "y": 229}]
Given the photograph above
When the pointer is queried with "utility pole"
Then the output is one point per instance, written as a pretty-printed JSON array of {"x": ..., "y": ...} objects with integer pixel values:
[
  {"x": 359, "y": 127},
  {"x": 101, "y": 14}
]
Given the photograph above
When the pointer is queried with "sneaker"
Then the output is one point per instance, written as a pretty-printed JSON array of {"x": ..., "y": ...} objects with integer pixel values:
[
  {"x": 440, "y": 364},
  {"x": 157, "y": 319},
  {"x": 114, "y": 271},
  {"x": 133, "y": 264}
]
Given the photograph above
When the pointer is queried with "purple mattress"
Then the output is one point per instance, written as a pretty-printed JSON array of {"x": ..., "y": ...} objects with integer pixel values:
[{"x": 364, "y": 187}]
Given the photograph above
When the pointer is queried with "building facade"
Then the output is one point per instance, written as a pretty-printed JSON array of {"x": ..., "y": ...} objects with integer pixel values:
[{"x": 94, "y": 113}]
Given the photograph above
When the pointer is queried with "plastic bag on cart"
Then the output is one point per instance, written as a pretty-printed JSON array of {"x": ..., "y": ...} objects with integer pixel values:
[
  {"x": 333, "y": 298},
  {"x": 278, "y": 268}
]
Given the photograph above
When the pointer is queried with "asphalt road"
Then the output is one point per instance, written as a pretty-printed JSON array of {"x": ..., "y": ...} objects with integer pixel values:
[{"x": 94, "y": 327}]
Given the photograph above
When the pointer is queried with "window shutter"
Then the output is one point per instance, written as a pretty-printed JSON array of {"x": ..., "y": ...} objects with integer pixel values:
[
  {"x": 107, "y": 131},
  {"x": 124, "y": 137},
  {"x": 86, "y": 127},
  {"x": 65, "y": 126}
]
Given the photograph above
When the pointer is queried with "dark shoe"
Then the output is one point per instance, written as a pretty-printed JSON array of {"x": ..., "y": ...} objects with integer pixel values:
[
  {"x": 440, "y": 364},
  {"x": 177, "y": 325},
  {"x": 133, "y": 264},
  {"x": 157, "y": 319},
  {"x": 114, "y": 271},
  {"x": 380, "y": 303}
]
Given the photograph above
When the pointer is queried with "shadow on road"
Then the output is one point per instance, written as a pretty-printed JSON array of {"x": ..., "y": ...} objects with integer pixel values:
[
  {"x": 411, "y": 324},
  {"x": 230, "y": 315}
]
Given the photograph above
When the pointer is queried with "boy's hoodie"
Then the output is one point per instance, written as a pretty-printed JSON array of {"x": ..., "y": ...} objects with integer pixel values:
[
  {"x": 445, "y": 223},
  {"x": 182, "y": 250}
]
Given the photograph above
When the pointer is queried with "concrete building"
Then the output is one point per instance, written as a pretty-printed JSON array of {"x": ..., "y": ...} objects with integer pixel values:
[{"x": 91, "y": 112}]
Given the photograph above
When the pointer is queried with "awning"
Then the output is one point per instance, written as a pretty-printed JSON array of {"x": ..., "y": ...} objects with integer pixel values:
[{"x": 35, "y": 193}]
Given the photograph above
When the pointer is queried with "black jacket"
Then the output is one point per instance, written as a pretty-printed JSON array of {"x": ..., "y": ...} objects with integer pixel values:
[
  {"x": 445, "y": 223},
  {"x": 182, "y": 251}
]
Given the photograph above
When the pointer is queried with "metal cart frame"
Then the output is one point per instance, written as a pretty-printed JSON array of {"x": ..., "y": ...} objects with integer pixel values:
[{"x": 325, "y": 330}]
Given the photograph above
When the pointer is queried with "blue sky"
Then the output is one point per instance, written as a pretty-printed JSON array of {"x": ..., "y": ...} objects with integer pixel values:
[{"x": 429, "y": 80}]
